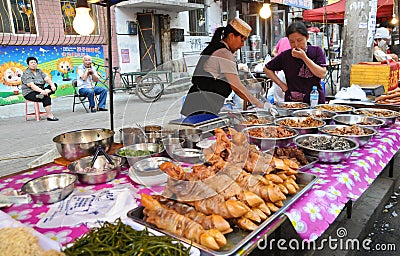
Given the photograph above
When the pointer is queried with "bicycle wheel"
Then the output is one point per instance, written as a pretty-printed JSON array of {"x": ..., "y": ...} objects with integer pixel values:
[{"x": 149, "y": 88}]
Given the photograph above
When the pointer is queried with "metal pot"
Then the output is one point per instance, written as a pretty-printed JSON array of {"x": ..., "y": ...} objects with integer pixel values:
[
  {"x": 129, "y": 136},
  {"x": 80, "y": 143},
  {"x": 191, "y": 137}
]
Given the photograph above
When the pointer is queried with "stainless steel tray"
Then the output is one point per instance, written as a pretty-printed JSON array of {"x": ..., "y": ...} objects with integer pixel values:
[
  {"x": 311, "y": 161},
  {"x": 238, "y": 238}
]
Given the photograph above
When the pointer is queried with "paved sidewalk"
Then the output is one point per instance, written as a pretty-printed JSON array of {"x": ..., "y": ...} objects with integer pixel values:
[{"x": 25, "y": 141}]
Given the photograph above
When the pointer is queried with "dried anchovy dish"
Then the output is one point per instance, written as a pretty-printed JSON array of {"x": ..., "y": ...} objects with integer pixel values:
[{"x": 326, "y": 143}]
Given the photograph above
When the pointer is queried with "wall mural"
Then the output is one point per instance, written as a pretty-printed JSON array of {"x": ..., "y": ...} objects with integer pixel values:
[{"x": 59, "y": 62}]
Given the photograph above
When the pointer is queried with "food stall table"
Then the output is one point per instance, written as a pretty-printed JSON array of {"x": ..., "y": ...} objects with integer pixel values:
[{"x": 310, "y": 215}]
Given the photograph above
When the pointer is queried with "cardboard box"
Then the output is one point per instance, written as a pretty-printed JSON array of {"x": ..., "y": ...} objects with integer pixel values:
[{"x": 375, "y": 73}]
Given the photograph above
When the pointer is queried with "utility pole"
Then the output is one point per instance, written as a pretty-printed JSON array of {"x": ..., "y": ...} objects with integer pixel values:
[{"x": 359, "y": 28}]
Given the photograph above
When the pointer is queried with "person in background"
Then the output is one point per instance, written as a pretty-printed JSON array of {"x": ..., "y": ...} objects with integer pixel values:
[
  {"x": 216, "y": 73},
  {"x": 304, "y": 66},
  {"x": 34, "y": 86},
  {"x": 381, "y": 45},
  {"x": 275, "y": 92},
  {"x": 282, "y": 45},
  {"x": 87, "y": 75}
]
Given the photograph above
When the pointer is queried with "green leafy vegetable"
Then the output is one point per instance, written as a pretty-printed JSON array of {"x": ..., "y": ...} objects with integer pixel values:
[{"x": 120, "y": 239}]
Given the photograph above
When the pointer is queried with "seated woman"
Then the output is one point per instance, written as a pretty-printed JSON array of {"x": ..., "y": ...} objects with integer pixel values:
[
  {"x": 304, "y": 66},
  {"x": 34, "y": 86}
]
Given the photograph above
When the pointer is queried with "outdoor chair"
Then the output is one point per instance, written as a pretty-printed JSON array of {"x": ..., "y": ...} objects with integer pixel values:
[
  {"x": 37, "y": 113},
  {"x": 79, "y": 98}
]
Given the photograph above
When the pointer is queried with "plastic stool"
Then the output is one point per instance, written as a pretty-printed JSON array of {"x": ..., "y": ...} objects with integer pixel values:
[{"x": 37, "y": 114}]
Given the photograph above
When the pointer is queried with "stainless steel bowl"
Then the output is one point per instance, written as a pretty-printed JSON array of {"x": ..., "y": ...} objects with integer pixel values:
[
  {"x": 77, "y": 144},
  {"x": 240, "y": 126},
  {"x": 147, "y": 171},
  {"x": 360, "y": 139},
  {"x": 50, "y": 188},
  {"x": 301, "y": 130},
  {"x": 335, "y": 108},
  {"x": 131, "y": 149},
  {"x": 315, "y": 113},
  {"x": 325, "y": 156},
  {"x": 191, "y": 137},
  {"x": 171, "y": 144},
  {"x": 374, "y": 112},
  {"x": 129, "y": 136},
  {"x": 269, "y": 143},
  {"x": 349, "y": 119},
  {"x": 188, "y": 155},
  {"x": 101, "y": 171},
  {"x": 288, "y": 111}
]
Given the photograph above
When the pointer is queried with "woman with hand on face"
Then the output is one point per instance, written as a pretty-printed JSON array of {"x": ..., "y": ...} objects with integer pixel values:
[
  {"x": 34, "y": 86},
  {"x": 304, "y": 66}
]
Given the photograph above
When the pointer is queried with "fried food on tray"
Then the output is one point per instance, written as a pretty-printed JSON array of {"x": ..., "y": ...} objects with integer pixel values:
[
  {"x": 180, "y": 225},
  {"x": 239, "y": 185}
]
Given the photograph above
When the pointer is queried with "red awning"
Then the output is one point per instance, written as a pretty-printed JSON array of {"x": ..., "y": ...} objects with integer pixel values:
[{"x": 335, "y": 12}]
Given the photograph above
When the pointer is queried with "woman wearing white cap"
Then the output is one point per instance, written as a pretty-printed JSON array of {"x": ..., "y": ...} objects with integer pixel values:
[
  {"x": 381, "y": 47},
  {"x": 216, "y": 74}
]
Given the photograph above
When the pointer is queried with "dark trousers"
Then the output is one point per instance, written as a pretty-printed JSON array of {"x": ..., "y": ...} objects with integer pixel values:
[{"x": 46, "y": 99}]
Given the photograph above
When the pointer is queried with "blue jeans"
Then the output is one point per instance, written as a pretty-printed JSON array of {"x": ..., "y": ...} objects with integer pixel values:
[{"x": 98, "y": 90}]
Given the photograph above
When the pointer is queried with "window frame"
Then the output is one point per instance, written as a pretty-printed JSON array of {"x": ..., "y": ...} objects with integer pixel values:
[
  {"x": 13, "y": 24},
  {"x": 94, "y": 12},
  {"x": 194, "y": 16}
]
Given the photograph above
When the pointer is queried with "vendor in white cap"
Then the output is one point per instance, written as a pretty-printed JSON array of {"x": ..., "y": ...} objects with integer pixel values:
[
  {"x": 381, "y": 46},
  {"x": 216, "y": 73}
]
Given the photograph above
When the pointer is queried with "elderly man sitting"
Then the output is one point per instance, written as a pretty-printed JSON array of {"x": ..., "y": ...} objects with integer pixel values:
[{"x": 87, "y": 74}]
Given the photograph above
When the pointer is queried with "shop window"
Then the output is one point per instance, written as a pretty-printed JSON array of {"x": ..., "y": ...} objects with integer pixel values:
[
  {"x": 197, "y": 22},
  {"x": 68, "y": 14},
  {"x": 17, "y": 16}
]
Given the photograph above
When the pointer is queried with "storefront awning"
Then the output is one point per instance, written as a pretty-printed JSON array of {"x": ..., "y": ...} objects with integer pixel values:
[
  {"x": 172, "y": 6},
  {"x": 335, "y": 12}
]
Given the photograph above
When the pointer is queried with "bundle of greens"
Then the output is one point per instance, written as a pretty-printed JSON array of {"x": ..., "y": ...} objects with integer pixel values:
[{"x": 120, "y": 239}]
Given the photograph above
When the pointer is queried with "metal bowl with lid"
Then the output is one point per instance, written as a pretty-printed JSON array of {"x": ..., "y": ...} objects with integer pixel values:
[
  {"x": 318, "y": 145},
  {"x": 362, "y": 139},
  {"x": 363, "y": 121},
  {"x": 80, "y": 143}
]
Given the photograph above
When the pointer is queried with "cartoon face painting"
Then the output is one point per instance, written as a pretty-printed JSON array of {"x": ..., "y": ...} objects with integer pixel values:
[
  {"x": 65, "y": 67},
  {"x": 10, "y": 73}
]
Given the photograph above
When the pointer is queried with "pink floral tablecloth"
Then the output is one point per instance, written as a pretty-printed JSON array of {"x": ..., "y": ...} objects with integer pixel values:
[{"x": 311, "y": 215}]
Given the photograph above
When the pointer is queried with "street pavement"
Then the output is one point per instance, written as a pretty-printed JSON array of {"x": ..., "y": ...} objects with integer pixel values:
[{"x": 28, "y": 143}]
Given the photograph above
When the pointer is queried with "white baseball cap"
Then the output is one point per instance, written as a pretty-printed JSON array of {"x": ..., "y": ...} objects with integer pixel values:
[{"x": 382, "y": 33}]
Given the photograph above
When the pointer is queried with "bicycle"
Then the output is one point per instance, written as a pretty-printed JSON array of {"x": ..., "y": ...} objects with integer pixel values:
[{"x": 149, "y": 87}]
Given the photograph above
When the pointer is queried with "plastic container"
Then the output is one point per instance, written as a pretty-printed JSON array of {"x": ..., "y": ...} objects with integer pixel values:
[{"x": 314, "y": 96}]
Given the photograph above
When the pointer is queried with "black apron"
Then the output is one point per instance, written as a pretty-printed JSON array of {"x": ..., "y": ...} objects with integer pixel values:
[{"x": 207, "y": 94}]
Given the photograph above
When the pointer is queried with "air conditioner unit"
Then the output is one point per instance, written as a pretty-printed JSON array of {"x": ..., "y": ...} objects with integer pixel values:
[{"x": 177, "y": 35}]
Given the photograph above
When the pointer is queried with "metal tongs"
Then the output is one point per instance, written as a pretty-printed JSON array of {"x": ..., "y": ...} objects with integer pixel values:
[{"x": 100, "y": 149}]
